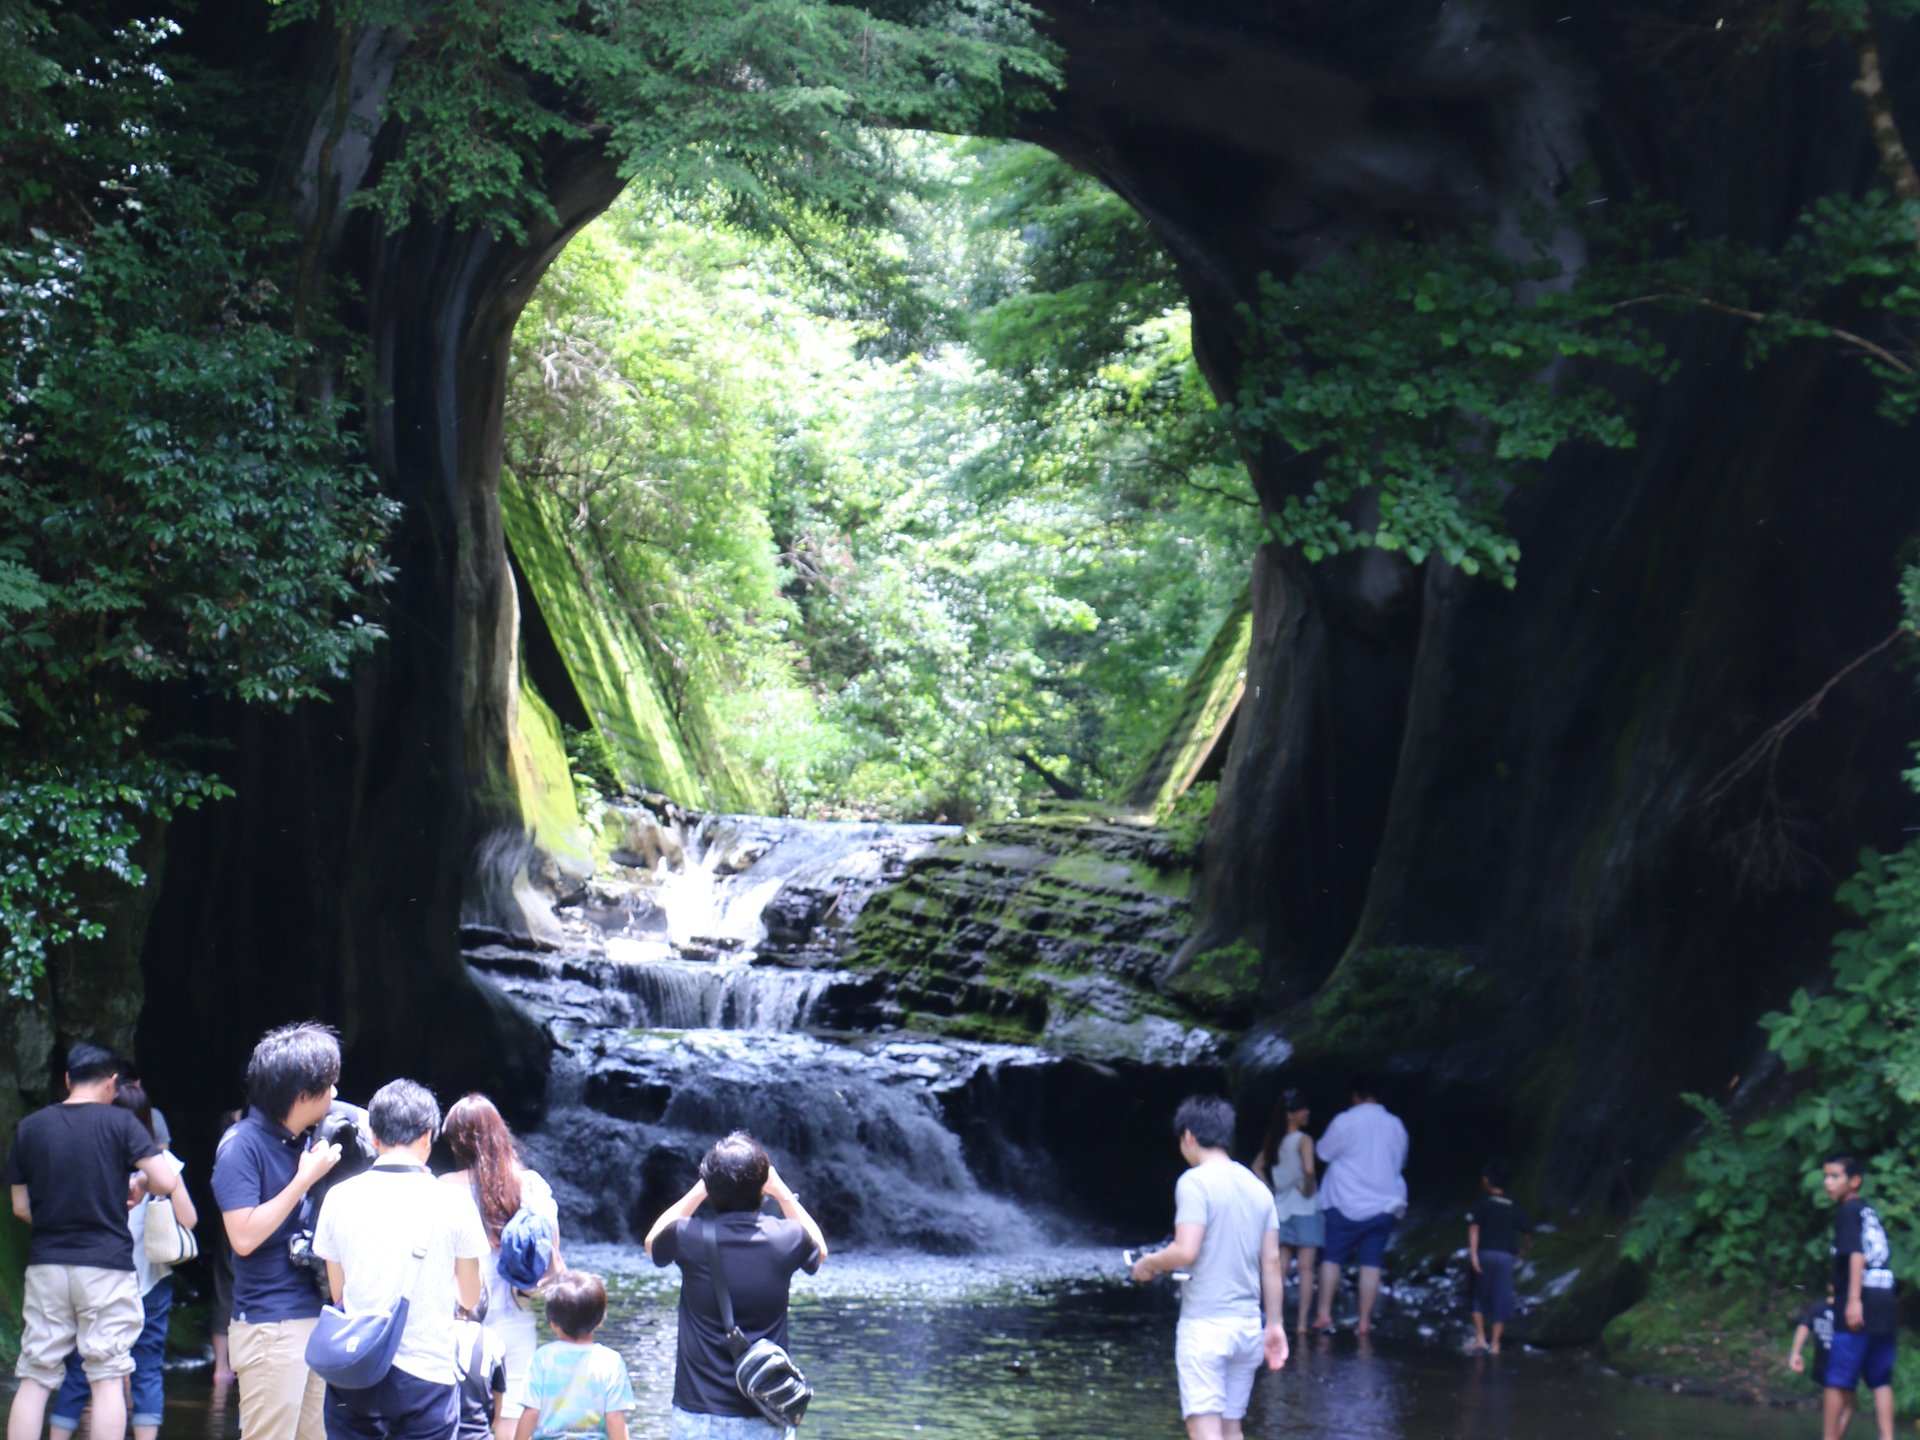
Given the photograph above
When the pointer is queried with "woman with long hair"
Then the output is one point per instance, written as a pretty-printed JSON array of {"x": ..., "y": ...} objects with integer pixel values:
[
  {"x": 1286, "y": 1163},
  {"x": 148, "y": 1382},
  {"x": 490, "y": 1165}
]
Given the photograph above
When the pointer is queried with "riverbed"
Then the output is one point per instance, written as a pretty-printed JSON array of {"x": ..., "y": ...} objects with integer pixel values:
[{"x": 1058, "y": 1346}]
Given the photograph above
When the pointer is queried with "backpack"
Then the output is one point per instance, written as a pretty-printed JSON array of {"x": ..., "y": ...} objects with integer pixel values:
[{"x": 526, "y": 1249}]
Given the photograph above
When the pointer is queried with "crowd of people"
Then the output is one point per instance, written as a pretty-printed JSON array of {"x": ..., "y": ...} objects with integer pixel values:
[
  {"x": 1237, "y": 1229},
  {"x": 332, "y": 1217},
  {"x": 342, "y": 1237}
]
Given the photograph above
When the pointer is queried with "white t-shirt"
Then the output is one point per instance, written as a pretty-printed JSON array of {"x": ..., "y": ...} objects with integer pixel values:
[
  {"x": 1365, "y": 1149},
  {"x": 146, "y": 1274},
  {"x": 370, "y": 1226},
  {"x": 1227, "y": 1198}
]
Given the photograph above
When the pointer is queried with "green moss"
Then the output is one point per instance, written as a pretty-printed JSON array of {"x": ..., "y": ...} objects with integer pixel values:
[
  {"x": 14, "y": 1239},
  {"x": 612, "y": 670},
  {"x": 1225, "y": 981},
  {"x": 1208, "y": 703},
  {"x": 543, "y": 780},
  {"x": 1386, "y": 999},
  {"x": 1727, "y": 1339}
]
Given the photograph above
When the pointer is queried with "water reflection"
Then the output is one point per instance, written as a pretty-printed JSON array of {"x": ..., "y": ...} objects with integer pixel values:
[{"x": 1040, "y": 1348}]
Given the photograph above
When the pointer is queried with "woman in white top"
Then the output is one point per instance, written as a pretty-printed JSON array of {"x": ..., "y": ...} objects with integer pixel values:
[
  {"x": 489, "y": 1160},
  {"x": 1286, "y": 1163}
]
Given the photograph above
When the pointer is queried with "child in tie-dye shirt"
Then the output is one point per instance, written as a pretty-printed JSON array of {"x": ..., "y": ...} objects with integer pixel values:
[{"x": 575, "y": 1387}]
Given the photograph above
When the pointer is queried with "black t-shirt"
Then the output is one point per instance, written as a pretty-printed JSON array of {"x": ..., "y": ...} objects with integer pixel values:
[
  {"x": 1501, "y": 1223},
  {"x": 74, "y": 1161},
  {"x": 759, "y": 1254},
  {"x": 1857, "y": 1231},
  {"x": 1819, "y": 1322}
]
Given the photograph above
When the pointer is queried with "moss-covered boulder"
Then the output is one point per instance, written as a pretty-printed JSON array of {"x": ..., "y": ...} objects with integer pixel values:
[{"x": 1055, "y": 931}]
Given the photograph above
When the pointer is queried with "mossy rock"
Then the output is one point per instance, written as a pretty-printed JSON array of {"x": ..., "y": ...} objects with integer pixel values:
[
  {"x": 1719, "y": 1339},
  {"x": 1223, "y": 982}
]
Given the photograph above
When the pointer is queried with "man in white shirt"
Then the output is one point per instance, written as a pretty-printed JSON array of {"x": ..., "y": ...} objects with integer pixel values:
[
  {"x": 1364, "y": 1195},
  {"x": 368, "y": 1231},
  {"x": 1225, "y": 1235}
]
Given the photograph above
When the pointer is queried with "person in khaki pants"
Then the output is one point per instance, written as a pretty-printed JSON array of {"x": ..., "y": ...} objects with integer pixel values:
[
  {"x": 69, "y": 1171},
  {"x": 262, "y": 1170}
]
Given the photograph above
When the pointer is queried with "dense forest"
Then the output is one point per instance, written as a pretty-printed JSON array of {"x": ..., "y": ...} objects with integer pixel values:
[
  {"x": 924, "y": 520},
  {"x": 920, "y": 387}
]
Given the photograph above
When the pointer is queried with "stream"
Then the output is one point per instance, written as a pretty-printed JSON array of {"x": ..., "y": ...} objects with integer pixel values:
[
  {"x": 699, "y": 982},
  {"x": 1055, "y": 1346}
]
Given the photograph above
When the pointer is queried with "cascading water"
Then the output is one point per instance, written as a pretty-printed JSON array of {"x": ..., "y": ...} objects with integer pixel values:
[{"x": 700, "y": 991}]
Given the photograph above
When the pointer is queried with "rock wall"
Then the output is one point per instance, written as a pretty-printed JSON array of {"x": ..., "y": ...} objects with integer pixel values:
[{"x": 1482, "y": 809}]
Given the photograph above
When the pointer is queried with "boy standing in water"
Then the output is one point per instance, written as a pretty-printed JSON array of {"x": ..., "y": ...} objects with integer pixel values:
[
  {"x": 1496, "y": 1234},
  {"x": 1863, "y": 1302}
]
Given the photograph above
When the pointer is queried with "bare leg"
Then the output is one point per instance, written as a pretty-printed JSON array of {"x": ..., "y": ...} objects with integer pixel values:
[
  {"x": 1836, "y": 1408},
  {"x": 505, "y": 1429},
  {"x": 146, "y": 1432},
  {"x": 1307, "y": 1271},
  {"x": 1199, "y": 1427},
  {"x": 1369, "y": 1292},
  {"x": 1883, "y": 1410},
  {"x": 109, "y": 1421},
  {"x": 29, "y": 1411},
  {"x": 1498, "y": 1326},
  {"x": 1479, "y": 1331},
  {"x": 222, "y": 1366},
  {"x": 1230, "y": 1429},
  {"x": 1329, "y": 1284}
]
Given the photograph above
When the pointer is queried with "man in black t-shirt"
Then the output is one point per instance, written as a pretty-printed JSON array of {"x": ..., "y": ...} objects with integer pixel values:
[
  {"x": 1863, "y": 1347},
  {"x": 759, "y": 1254},
  {"x": 69, "y": 1171}
]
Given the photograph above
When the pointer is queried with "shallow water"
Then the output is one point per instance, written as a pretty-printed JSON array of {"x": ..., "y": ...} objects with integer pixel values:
[{"x": 1056, "y": 1346}]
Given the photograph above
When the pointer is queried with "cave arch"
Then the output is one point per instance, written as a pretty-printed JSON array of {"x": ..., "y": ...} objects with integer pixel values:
[{"x": 1421, "y": 766}]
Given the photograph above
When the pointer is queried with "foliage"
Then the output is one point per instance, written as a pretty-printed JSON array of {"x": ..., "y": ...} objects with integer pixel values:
[
  {"x": 175, "y": 515},
  {"x": 1185, "y": 822},
  {"x": 898, "y": 584},
  {"x": 769, "y": 109},
  {"x": 1428, "y": 374},
  {"x": 54, "y": 824}
]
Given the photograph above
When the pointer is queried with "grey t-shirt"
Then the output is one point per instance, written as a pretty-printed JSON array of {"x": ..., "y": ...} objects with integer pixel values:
[{"x": 1237, "y": 1210}]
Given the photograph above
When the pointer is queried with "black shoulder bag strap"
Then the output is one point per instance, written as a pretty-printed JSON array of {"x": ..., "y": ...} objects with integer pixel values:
[{"x": 736, "y": 1342}]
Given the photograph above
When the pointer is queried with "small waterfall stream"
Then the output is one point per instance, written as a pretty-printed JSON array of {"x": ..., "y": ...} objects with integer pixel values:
[{"x": 701, "y": 989}]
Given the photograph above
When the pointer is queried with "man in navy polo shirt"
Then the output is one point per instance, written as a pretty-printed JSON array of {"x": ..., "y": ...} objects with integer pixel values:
[{"x": 262, "y": 1170}]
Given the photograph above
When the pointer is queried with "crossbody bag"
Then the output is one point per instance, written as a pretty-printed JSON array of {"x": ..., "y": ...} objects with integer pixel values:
[{"x": 764, "y": 1371}]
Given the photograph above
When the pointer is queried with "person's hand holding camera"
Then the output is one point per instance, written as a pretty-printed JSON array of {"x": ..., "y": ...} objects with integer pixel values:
[{"x": 317, "y": 1162}]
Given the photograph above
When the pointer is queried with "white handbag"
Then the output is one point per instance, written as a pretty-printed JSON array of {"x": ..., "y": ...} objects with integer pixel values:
[{"x": 167, "y": 1242}]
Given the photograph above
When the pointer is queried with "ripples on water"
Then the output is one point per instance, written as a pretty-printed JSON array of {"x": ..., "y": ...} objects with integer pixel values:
[{"x": 1058, "y": 1346}]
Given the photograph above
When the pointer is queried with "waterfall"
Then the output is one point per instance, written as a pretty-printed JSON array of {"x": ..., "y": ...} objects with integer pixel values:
[{"x": 700, "y": 990}]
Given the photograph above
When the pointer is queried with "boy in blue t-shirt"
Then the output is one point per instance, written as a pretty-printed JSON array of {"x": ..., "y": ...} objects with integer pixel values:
[{"x": 575, "y": 1387}]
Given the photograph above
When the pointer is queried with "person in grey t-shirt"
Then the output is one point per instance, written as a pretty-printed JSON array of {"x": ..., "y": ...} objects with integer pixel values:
[{"x": 1226, "y": 1236}]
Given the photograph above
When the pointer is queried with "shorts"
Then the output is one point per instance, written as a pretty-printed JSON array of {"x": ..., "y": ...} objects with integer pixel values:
[
  {"x": 1856, "y": 1357},
  {"x": 1304, "y": 1232},
  {"x": 1364, "y": 1240},
  {"x": 78, "y": 1307},
  {"x": 693, "y": 1425},
  {"x": 1493, "y": 1287},
  {"x": 1217, "y": 1360}
]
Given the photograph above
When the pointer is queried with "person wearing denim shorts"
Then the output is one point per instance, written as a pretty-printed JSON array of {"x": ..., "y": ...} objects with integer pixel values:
[
  {"x": 1363, "y": 1196},
  {"x": 68, "y": 1173},
  {"x": 1863, "y": 1301}
]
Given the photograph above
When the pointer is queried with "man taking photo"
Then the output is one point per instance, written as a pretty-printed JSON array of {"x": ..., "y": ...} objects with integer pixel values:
[{"x": 1226, "y": 1237}]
